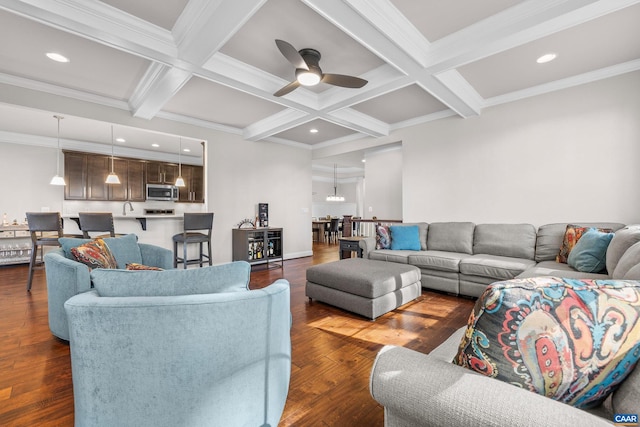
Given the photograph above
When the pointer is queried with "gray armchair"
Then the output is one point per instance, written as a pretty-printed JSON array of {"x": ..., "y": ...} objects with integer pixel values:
[
  {"x": 67, "y": 277},
  {"x": 208, "y": 359}
]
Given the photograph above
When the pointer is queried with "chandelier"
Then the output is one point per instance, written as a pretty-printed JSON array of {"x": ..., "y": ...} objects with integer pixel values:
[{"x": 334, "y": 197}]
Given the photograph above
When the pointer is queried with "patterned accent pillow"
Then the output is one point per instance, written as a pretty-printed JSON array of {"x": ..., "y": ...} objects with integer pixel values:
[
  {"x": 94, "y": 254},
  {"x": 570, "y": 340},
  {"x": 571, "y": 236},
  {"x": 136, "y": 266},
  {"x": 383, "y": 237}
]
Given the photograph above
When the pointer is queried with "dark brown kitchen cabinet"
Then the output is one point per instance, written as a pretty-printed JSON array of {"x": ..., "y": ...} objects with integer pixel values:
[
  {"x": 161, "y": 173},
  {"x": 193, "y": 191},
  {"x": 98, "y": 167},
  {"x": 119, "y": 192},
  {"x": 85, "y": 175},
  {"x": 75, "y": 175},
  {"x": 137, "y": 180}
]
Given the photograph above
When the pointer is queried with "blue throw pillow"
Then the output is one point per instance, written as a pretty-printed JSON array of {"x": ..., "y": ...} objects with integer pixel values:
[
  {"x": 589, "y": 255},
  {"x": 405, "y": 237}
]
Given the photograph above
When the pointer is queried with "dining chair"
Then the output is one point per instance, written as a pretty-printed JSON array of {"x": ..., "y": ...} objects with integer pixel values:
[
  {"x": 194, "y": 224},
  {"x": 45, "y": 229},
  {"x": 100, "y": 222}
]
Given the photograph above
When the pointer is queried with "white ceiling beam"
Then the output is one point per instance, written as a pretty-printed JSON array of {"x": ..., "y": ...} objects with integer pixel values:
[
  {"x": 276, "y": 123},
  {"x": 515, "y": 26},
  {"x": 206, "y": 25},
  {"x": 101, "y": 23},
  {"x": 381, "y": 28},
  {"x": 363, "y": 123},
  {"x": 202, "y": 28}
]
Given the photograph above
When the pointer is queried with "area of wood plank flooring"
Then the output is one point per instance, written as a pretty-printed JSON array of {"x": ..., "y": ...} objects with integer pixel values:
[{"x": 333, "y": 350}]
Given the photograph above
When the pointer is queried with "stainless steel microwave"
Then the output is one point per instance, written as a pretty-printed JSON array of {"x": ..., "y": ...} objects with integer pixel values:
[{"x": 162, "y": 192}]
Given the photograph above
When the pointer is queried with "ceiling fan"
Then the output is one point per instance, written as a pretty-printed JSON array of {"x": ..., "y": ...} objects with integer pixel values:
[{"x": 308, "y": 72}]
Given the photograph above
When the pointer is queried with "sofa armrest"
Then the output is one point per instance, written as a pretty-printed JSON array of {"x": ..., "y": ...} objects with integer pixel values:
[
  {"x": 65, "y": 278},
  {"x": 426, "y": 391},
  {"x": 156, "y": 256},
  {"x": 367, "y": 245}
]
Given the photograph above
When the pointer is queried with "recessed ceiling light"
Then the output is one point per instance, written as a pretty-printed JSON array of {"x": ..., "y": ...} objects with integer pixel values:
[
  {"x": 186, "y": 150},
  {"x": 155, "y": 145},
  {"x": 121, "y": 140},
  {"x": 57, "y": 57},
  {"x": 364, "y": 160},
  {"x": 313, "y": 130},
  {"x": 547, "y": 57}
]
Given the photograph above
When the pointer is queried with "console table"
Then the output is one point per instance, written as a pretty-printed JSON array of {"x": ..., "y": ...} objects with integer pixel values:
[{"x": 350, "y": 244}]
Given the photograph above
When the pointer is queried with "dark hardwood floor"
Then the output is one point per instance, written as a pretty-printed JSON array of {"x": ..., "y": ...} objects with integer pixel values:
[{"x": 333, "y": 350}]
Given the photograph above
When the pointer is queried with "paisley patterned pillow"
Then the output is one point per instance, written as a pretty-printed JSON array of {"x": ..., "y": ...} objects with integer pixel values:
[
  {"x": 136, "y": 266},
  {"x": 383, "y": 237},
  {"x": 95, "y": 254},
  {"x": 571, "y": 340}
]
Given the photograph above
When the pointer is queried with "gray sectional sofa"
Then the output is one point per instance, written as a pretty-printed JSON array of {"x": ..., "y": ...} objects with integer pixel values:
[{"x": 463, "y": 257}]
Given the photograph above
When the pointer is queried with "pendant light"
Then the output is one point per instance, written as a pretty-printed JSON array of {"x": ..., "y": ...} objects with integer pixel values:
[
  {"x": 179, "y": 180},
  {"x": 58, "y": 180},
  {"x": 334, "y": 197},
  {"x": 112, "y": 178}
]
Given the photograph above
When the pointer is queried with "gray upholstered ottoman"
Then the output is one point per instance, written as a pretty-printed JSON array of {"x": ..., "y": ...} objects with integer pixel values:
[{"x": 367, "y": 287}]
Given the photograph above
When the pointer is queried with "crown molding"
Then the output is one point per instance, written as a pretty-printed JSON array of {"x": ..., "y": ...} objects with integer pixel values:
[{"x": 603, "y": 73}]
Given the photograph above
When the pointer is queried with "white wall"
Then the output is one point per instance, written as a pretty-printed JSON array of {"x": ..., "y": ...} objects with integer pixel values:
[
  {"x": 383, "y": 185},
  {"x": 572, "y": 155},
  {"x": 26, "y": 172}
]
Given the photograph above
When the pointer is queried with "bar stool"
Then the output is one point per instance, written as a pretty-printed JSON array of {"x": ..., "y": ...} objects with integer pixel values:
[
  {"x": 193, "y": 224},
  {"x": 40, "y": 223},
  {"x": 96, "y": 222}
]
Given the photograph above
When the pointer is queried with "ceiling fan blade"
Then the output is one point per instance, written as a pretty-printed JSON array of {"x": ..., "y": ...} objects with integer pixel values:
[
  {"x": 288, "y": 88},
  {"x": 291, "y": 54},
  {"x": 343, "y": 81}
]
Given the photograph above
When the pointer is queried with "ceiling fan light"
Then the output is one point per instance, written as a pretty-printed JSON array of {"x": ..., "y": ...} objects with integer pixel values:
[{"x": 307, "y": 78}]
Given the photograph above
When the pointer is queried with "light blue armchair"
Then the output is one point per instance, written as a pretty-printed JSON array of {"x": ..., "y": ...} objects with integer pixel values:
[
  {"x": 67, "y": 277},
  {"x": 220, "y": 356}
]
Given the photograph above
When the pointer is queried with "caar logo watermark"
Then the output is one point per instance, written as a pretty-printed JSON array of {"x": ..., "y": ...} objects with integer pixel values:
[{"x": 626, "y": 420}]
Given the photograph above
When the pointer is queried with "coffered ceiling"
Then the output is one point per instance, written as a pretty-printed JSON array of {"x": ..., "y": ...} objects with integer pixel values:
[{"x": 214, "y": 63}]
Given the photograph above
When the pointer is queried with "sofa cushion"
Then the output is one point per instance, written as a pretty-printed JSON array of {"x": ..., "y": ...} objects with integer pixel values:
[
  {"x": 571, "y": 340},
  {"x": 437, "y": 260},
  {"x": 400, "y": 257},
  {"x": 94, "y": 254},
  {"x": 68, "y": 243},
  {"x": 550, "y": 238},
  {"x": 205, "y": 280},
  {"x": 572, "y": 234},
  {"x": 405, "y": 237},
  {"x": 626, "y": 399},
  {"x": 622, "y": 240},
  {"x": 451, "y": 237},
  {"x": 590, "y": 252},
  {"x": 510, "y": 240},
  {"x": 495, "y": 267},
  {"x": 633, "y": 273},
  {"x": 630, "y": 259},
  {"x": 383, "y": 237},
  {"x": 125, "y": 249},
  {"x": 558, "y": 269}
]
